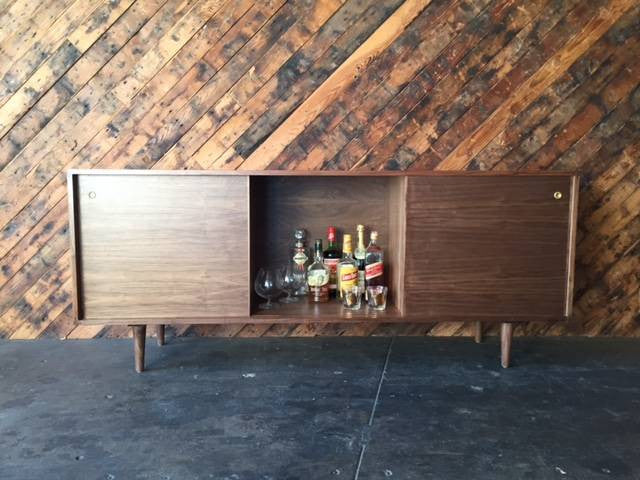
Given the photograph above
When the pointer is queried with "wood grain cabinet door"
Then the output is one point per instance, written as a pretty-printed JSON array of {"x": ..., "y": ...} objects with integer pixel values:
[
  {"x": 161, "y": 246},
  {"x": 489, "y": 247}
]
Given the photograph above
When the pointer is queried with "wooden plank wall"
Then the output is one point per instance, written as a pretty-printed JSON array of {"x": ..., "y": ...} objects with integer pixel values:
[{"x": 317, "y": 84}]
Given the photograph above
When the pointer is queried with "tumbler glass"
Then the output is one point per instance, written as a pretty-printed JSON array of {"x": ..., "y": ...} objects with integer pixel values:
[
  {"x": 377, "y": 297},
  {"x": 352, "y": 297}
]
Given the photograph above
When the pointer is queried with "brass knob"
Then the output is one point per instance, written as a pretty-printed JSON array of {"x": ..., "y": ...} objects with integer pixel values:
[
  {"x": 557, "y": 195},
  {"x": 92, "y": 194}
]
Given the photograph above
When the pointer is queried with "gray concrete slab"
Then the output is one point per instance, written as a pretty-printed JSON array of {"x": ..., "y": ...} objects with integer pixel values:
[
  {"x": 567, "y": 409},
  {"x": 300, "y": 409}
]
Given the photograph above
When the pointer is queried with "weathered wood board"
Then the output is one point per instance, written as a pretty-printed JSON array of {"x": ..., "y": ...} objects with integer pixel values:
[{"x": 318, "y": 84}]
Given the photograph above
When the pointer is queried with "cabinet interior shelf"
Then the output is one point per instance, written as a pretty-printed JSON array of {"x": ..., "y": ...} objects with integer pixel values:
[{"x": 331, "y": 311}]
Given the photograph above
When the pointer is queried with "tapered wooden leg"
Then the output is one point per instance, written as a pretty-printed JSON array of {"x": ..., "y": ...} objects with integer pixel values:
[
  {"x": 139, "y": 337},
  {"x": 160, "y": 334},
  {"x": 505, "y": 343},
  {"x": 478, "y": 332}
]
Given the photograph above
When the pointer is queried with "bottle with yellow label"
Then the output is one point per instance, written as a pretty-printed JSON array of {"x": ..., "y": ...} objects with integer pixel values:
[{"x": 347, "y": 268}]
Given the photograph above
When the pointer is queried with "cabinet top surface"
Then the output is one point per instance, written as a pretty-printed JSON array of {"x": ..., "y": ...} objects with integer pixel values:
[{"x": 319, "y": 173}]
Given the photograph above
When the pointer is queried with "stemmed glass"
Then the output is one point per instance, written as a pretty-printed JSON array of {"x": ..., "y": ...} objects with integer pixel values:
[
  {"x": 289, "y": 281},
  {"x": 266, "y": 285}
]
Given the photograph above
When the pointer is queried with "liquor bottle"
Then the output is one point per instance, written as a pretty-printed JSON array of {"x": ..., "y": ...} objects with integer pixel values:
[
  {"x": 318, "y": 277},
  {"x": 373, "y": 269},
  {"x": 347, "y": 268},
  {"x": 300, "y": 261},
  {"x": 331, "y": 258},
  {"x": 360, "y": 253}
]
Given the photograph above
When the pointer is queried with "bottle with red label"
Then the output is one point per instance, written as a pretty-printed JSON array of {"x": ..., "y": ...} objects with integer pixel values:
[
  {"x": 331, "y": 258},
  {"x": 373, "y": 263}
]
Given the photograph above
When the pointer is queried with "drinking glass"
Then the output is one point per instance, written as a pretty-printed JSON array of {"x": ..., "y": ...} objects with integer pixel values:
[
  {"x": 352, "y": 297},
  {"x": 266, "y": 286},
  {"x": 289, "y": 281},
  {"x": 377, "y": 297}
]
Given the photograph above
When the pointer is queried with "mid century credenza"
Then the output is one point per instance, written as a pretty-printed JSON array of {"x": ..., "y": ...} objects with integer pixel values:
[{"x": 169, "y": 247}]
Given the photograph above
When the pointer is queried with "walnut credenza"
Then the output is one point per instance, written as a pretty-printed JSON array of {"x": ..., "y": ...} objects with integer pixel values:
[{"x": 168, "y": 247}]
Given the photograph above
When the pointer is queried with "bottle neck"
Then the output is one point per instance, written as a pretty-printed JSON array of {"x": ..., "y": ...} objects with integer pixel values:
[
  {"x": 318, "y": 255},
  {"x": 331, "y": 238}
]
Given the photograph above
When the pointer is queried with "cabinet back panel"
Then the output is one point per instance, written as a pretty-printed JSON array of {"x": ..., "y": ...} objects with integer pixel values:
[
  {"x": 162, "y": 246},
  {"x": 493, "y": 246}
]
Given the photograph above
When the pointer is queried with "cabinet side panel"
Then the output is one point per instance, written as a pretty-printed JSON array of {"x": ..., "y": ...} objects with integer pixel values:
[
  {"x": 395, "y": 255},
  {"x": 72, "y": 192},
  {"x": 490, "y": 247},
  {"x": 163, "y": 246}
]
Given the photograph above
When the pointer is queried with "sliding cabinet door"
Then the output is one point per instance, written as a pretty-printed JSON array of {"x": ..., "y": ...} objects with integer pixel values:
[
  {"x": 489, "y": 247},
  {"x": 161, "y": 246}
]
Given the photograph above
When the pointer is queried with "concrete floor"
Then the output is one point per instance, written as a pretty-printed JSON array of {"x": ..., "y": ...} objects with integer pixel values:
[{"x": 287, "y": 409}]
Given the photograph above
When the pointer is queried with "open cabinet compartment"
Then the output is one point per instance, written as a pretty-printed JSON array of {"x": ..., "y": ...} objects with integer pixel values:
[{"x": 280, "y": 204}]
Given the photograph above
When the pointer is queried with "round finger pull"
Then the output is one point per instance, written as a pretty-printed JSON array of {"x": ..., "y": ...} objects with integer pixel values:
[
  {"x": 92, "y": 194},
  {"x": 557, "y": 195}
]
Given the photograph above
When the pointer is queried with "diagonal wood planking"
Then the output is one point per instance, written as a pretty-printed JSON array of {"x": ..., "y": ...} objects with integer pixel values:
[{"x": 319, "y": 84}]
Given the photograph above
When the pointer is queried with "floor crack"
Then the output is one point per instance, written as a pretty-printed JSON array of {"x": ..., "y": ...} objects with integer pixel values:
[{"x": 367, "y": 434}]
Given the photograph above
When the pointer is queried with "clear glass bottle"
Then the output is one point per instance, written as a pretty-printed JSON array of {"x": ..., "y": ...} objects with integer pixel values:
[
  {"x": 347, "y": 268},
  {"x": 374, "y": 262},
  {"x": 318, "y": 277},
  {"x": 300, "y": 261},
  {"x": 360, "y": 254}
]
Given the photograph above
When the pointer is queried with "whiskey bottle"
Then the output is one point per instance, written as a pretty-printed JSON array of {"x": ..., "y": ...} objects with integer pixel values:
[
  {"x": 318, "y": 277},
  {"x": 360, "y": 254},
  {"x": 331, "y": 258},
  {"x": 300, "y": 261},
  {"x": 347, "y": 268},
  {"x": 374, "y": 267}
]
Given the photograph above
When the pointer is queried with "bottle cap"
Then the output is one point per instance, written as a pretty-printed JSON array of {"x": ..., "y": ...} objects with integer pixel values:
[
  {"x": 374, "y": 235},
  {"x": 331, "y": 234},
  {"x": 346, "y": 243},
  {"x": 318, "y": 244},
  {"x": 360, "y": 228}
]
